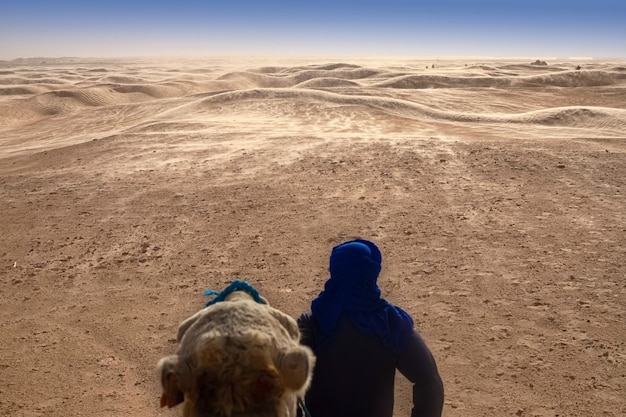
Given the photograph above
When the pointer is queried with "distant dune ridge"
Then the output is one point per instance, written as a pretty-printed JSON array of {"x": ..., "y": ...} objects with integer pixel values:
[
  {"x": 50, "y": 90},
  {"x": 30, "y": 94}
]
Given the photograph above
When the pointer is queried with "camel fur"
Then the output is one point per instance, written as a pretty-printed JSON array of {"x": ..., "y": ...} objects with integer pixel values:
[{"x": 237, "y": 358}]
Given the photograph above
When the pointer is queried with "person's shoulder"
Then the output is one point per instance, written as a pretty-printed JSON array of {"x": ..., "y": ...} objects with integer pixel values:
[{"x": 415, "y": 346}]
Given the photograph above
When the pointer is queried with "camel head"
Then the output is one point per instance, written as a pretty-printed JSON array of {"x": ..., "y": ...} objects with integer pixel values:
[{"x": 237, "y": 358}]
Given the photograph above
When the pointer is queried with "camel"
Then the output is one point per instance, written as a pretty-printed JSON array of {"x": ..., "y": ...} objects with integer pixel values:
[{"x": 238, "y": 357}]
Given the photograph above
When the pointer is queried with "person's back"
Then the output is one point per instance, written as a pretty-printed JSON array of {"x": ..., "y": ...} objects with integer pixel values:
[
  {"x": 354, "y": 375},
  {"x": 360, "y": 340}
]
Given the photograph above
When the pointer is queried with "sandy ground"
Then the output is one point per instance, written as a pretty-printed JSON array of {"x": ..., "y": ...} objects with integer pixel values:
[{"x": 495, "y": 189}]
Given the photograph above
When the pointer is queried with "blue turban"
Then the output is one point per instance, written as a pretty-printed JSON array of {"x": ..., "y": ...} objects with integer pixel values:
[{"x": 351, "y": 291}]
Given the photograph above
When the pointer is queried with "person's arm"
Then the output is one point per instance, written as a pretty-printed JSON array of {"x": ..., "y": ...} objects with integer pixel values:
[{"x": 417, "y": 364}]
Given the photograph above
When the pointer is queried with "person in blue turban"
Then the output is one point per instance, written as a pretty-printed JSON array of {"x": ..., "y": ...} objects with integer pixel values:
[{"x": 360, "y": 340}]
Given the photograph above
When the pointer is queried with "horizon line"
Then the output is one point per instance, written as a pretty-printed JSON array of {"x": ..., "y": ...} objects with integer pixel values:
[{"x": 283, "y": 56}]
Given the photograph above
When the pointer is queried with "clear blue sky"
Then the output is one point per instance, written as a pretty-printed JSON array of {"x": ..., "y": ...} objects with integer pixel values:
[{"x": 541, "y": 28}]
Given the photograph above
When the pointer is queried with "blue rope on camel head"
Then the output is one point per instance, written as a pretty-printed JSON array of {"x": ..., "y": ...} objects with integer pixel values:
[{"x": 236, "y": 285}]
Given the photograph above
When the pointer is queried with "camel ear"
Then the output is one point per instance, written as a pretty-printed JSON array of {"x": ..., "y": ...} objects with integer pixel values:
[
  {"x": 185, "y": 325},
  {"x": 172, "y": 395},
  {"x": 296, "y": 365}
]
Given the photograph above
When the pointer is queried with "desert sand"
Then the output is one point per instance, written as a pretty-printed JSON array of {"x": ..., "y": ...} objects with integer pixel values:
[{"x": 494, "y": 188}]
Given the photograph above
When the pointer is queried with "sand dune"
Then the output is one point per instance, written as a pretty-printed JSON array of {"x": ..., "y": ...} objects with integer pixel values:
[
  {"x": 560, "y": 79},
  {"x": 349, "y": 74},
  {"x": 21, "y": 90},
  {"x": 281, "y": 79},
  {"x": 533, "y": 68},
  {"x": 326, "y": 82},
  {"x": 574, "y": 79},
  {"x": 32, "y": 94},
  {"x": 592, "y": 118},
  {"x": 249, "y": 79},
  {"x": 119, "y": 79},
  {"x": 495, "y": 189}
]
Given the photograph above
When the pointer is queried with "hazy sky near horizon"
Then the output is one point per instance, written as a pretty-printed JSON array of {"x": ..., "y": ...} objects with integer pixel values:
[{"x": 506, "y": 28}]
